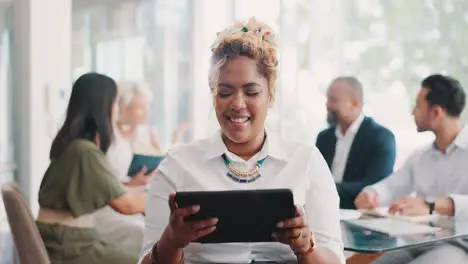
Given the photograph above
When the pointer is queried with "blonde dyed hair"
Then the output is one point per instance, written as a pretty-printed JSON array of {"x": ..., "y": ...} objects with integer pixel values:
[
  {"x": 127, "y": 90},
  {"x": 251, "y": 39}
]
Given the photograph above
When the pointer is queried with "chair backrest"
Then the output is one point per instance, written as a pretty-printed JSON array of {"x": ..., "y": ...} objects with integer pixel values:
[{"x": 28, "y": 241}]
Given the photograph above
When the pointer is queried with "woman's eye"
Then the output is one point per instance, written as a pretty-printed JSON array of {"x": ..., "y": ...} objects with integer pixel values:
[
  {"x": 224, "y": 93},
  {"x": 252, "y": 92}
]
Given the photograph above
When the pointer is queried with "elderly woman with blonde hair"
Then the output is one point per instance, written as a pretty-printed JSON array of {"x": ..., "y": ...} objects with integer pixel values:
[
  {"x": 132, "y": 135},
  {"x": 243, "y": 156}
]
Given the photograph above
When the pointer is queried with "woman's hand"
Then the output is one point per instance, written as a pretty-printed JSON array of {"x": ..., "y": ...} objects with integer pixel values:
[
  {"x": 180, "y": 232},
  {"x": 141, "y": 178},
  {"x": 154, "y": 139},
  {"x": 180, "y": 132},
  {"x": 295, "y": 233}
]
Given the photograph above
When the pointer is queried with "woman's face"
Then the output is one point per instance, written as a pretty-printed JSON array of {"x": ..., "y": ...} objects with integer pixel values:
[
  {"x": 136, "y": 112},
  {"x": 241, "y": 100},
  {"x": 115, "y": 112}
]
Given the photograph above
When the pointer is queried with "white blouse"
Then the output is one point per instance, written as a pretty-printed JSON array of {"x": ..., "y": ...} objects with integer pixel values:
[
  {"x": 200, "y": 167},
  {"x": 120, "y": 152}
]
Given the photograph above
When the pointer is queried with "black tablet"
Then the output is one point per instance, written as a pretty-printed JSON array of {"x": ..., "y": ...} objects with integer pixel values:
[
  {"x": 244, "y": 216},
  {"x": 138, "y": 161}
]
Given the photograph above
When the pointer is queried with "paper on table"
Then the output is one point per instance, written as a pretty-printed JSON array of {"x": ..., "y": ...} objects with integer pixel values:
[
  {"x": 348, "y": 214},
  {"x": 394, "y": 227},
  {"x": 383, "y": 212}
]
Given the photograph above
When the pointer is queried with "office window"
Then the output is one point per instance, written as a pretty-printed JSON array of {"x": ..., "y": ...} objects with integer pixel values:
[
  {"x": 6, "y": 141},
  {"x": 389, "y": 45},
  {"x": 7, "y": 165},
  {"x": 147, "y": 41}
]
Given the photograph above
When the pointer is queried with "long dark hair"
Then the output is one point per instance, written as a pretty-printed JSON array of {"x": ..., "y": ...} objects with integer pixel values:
[{"x": 89, "y": 113}]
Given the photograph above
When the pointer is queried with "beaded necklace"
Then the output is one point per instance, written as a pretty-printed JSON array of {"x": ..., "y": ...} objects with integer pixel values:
[{"x": 240, "y": 176}]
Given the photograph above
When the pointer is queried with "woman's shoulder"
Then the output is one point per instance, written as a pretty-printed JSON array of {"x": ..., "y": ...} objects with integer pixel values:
[
  {"x": 79, "y": 147},
  {"x": 72, "y": 155}
]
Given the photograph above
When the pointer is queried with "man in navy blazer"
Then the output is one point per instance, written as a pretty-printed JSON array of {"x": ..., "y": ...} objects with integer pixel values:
[{"x": 358, "y": 151}]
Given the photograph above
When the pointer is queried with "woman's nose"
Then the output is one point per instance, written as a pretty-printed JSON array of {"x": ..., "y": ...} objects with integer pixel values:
[{"x": 238, "y": 101}]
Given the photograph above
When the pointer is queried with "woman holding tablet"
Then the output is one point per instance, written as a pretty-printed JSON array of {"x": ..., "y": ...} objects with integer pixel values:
[
  {"x": 80, "y": 182},
  {"x": 243, "y": 156}
]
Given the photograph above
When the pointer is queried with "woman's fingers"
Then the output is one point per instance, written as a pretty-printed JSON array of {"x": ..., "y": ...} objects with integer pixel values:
[
  {"x": 296, "y": 237},
  {"x": 181, "y": 212},
  {"x": 296, "y": 222},
  {"x": 203, "y": 232},
  {"x": 299, "y": 211},
  {"x": 185, "y": 211},
  {"x": 172, "y": 201},
  {"x": 195, "y": 225},
  {"x": 294, "y": 233}
]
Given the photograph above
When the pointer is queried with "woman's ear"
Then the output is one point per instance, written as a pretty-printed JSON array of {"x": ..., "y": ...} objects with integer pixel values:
[
  {"x": 213, "y": 100},
  {"x": 271, "y": 100}
]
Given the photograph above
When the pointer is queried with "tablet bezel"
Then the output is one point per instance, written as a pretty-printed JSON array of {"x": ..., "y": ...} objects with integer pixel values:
[{"x": 235, "y": 226}]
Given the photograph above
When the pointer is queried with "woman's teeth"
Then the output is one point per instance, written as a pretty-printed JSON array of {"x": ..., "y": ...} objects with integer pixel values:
[{"x": 239, "y": 120}]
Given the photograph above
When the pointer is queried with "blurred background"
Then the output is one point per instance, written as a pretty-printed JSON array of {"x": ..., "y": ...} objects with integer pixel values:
[{"x": 46, "y": 44}]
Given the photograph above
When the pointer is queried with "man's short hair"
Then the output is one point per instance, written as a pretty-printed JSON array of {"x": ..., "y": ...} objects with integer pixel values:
[
  {"x": 446, "y": 92},
  {"x": 354, "y": 83}
]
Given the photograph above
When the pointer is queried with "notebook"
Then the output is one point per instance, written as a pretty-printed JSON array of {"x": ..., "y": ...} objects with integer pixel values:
[
  {"x": 349, "y": 214},
  {"x": 383, "y": 212},
  {"x": 138, "y": 161},
  {"x": 394, "y": 227}
]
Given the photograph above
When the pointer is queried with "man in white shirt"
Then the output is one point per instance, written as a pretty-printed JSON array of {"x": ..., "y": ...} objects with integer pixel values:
[
  {"x": 358, "y": 150},
  {"x": 437, "y": 173}
]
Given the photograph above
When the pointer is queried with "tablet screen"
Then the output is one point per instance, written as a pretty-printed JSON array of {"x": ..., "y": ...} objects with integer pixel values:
[{"x": 244, "y": 216}]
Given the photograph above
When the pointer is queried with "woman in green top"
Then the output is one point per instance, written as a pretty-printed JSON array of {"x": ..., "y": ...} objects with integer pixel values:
[{"x": 79, "y": 180}]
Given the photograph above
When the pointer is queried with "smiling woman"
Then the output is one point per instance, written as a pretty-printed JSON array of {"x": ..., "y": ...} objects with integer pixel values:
[
  {"x": 241, "y": 103},
  {"x": 243, "y": 156},
  {"x": 243, "y": 82}
]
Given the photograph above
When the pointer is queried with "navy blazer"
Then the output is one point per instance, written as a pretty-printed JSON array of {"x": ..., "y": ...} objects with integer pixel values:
[{"x": 371, "y": 158}]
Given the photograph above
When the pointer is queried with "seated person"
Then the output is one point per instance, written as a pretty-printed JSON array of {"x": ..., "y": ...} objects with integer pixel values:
[
  {"x": 358, "y": 150},
  {"x": 242, "y": 81},
  {"x": 437, "y": 173},
  {"x": 133, "y": 134},
  {"x": 133, "y": 103},
  {"x": 80, "y": 181}
]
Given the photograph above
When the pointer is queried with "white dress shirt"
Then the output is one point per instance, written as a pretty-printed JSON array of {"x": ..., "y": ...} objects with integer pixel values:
[
  {"x": 200, "y": 167},
  {"x": 342, "y": 148},
  {"x": 432, "y": 174}
]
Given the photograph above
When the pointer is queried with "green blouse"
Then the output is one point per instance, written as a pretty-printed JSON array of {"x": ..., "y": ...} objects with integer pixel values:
[{"x": 80, "y": 180}]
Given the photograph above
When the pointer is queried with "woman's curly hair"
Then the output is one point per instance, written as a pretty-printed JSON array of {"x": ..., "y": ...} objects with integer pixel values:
[{"x": 251, "y": 39}]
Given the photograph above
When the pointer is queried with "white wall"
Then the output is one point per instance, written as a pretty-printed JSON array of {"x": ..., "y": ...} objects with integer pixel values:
[{"x": 41, "y": 68}]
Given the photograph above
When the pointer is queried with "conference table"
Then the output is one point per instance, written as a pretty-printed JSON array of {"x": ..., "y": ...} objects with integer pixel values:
[{"x": 362, "y": 240}]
